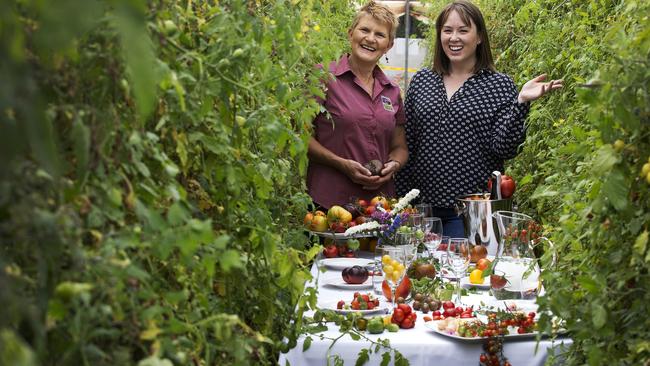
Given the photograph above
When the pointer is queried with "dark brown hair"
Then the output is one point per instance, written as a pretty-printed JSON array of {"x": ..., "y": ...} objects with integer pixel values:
[{"x": 469, "y": 13}]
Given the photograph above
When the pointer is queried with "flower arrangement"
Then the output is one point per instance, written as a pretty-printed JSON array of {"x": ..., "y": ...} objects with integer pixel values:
[{"x": 385, "y": 224}]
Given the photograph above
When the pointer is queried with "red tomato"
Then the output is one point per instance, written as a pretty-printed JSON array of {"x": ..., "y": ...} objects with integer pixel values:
[
  {"x": 508, "y": 186},
  {"x": 340, "y": 304},
  {"x": 436, "y": 313},
  {"x": 365, "y": 297},
  {"x": 331, "y": 251},
  {"x": 398, "y": 315},
  {"x": 370, "y": 210},
  {"x": 355, "y": 305},
  {"x": 405, "y": 308},
  {"x": 483, "y": 264},
  {"x": 448, "y": 305},
  {"x": 407, "y": 323}
]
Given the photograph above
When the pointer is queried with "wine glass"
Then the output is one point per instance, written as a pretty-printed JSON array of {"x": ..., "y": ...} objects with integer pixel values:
[
  {"x": 393, "y": 267},
  {"x": 458, "y": 256},
  {"x": 432, "y": 234}
]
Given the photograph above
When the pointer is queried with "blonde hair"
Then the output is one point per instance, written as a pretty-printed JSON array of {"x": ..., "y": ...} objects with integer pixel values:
[{"x": 381, "y": 13}]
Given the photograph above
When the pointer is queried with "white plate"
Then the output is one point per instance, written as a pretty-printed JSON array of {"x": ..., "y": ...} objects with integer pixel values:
[
  {"x": 381, "y": 309},
  {"x": 343, "y": 263},
  {"x": 464, "y": 282},
  {"x": 433, "y": 325},
  {"x": 339, "y": 236},
  {"x": 340, "y": 283}
]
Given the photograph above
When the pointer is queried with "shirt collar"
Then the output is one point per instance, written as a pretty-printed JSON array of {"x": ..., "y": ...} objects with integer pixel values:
[{"x": 343, "y": 66}]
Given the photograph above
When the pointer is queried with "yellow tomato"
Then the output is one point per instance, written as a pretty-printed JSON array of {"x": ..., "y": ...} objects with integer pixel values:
[
  {"x": 476, "y": 277},
  {"x": 388, "y": 269},
  {"x": 386, "y": 259}
]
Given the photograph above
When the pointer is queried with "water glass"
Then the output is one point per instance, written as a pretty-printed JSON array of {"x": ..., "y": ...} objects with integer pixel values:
[
  {"x": 416, "y": 220},
  {"x": 458, "y": 257},
  {"x": 425, "y": 209},
  {"x": 377, "y": 276},
  {"x": 432, "y": 234},
  {"x": 408, "y": 242}
]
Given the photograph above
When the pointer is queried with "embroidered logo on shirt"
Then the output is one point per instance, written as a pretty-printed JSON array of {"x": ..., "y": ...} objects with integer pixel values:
[{"x": 387, "y": 104}]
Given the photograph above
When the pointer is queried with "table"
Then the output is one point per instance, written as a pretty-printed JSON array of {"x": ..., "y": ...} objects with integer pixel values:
[{"x": 420, "y": 345}]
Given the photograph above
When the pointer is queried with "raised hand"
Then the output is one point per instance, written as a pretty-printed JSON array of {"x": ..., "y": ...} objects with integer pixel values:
[{"x": 536, "y": 88}]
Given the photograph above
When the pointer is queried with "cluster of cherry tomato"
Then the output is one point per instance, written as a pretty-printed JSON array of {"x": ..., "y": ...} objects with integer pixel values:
[
  {"x": 494, "y": 355},
  {"x": 403, "y": 316},
  {"x": 360, "y": 302},
  {"x": 451, "y": 310},
  {"x": 497, "y": 325},
  {"x": 531, "y": 232}
]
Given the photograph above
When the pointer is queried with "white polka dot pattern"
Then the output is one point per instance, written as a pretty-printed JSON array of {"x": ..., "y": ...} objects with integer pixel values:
[{"x": 455, "y": 145}]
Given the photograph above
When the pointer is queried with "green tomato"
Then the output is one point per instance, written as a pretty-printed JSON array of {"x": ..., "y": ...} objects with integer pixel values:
[{"x": 375, "y": 326}]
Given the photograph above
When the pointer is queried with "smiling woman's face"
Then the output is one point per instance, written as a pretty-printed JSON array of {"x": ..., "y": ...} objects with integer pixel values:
[
  {"x": 369, "y": 40},
  {"x": 459, "y": 40}
]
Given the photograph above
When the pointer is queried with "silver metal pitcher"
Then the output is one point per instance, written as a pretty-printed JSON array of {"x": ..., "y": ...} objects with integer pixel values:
[{"x": 480, "y": 227}]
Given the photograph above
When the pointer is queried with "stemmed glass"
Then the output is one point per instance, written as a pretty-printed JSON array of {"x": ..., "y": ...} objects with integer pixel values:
[
  {"x": 393, "y": 267},
  {"x": 458, "y": 257},
  {"x": 432, "y": 234}
]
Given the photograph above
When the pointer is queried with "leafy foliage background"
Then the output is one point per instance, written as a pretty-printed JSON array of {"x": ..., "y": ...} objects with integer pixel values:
[
  {"x": 153, "y": 156},
  {"x": 153, "y": 162}
]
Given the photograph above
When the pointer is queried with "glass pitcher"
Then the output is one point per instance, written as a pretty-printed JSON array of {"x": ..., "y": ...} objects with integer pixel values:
[{"x": 515, "y": 258}]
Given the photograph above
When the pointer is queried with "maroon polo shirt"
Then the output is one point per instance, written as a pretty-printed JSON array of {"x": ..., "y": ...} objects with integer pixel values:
[{"x": 360, "y": 128}]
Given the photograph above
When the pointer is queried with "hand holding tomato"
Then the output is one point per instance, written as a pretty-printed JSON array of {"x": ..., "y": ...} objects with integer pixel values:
[{"x": 508, "y": 186}]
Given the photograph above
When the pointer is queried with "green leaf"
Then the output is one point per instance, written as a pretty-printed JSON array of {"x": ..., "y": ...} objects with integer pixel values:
[
  {"x": 385, "y": 358},
  {"x": 616, "y": 190},
  {"x": 14, "y": 350},
  {"x": 176, "y": 214},
  {"x": 221, "y": 241},
  {"x": 230, "y": 259},
  {"x": 138, "y": 52},
  {"x": 588, "y": 284},
  {"x": 306, "y": 344},
  {"x": 400, "y": 360},
  {"x": 641, "y": 243},
  {"x": 362, "y": 357},
  {"x": 599, "y": 315},
  {"x": 605, "y": 159}
]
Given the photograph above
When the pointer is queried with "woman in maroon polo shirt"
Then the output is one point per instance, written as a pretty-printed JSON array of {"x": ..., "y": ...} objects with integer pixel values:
[{"x": 364, "y": 119}]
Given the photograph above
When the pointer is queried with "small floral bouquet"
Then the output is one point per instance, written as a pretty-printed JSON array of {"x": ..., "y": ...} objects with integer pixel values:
[{"x": 385, "y": 224}]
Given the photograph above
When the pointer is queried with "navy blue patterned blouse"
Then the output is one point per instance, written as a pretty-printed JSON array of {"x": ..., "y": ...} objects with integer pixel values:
[{"x": 455, "y": 145}]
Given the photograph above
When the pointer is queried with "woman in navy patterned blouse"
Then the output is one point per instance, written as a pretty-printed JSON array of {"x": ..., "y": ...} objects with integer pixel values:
[{"x": 463, "y": 117}]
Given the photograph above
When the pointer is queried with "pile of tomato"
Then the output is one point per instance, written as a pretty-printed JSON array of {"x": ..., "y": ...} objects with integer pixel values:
[
  {"x": 359, "y": 302},
  {"x": 403, "y": 316},
  {"x": 450, "y": 310}
]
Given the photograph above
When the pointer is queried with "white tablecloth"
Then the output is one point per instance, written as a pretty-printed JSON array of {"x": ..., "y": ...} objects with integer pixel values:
[{"x": 420, "y": 345}]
